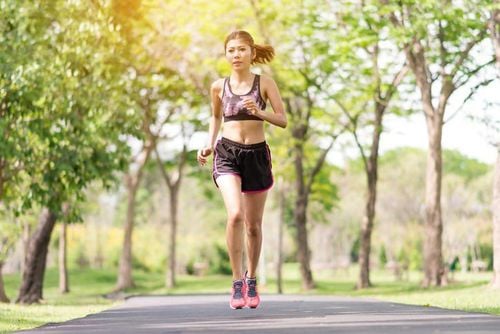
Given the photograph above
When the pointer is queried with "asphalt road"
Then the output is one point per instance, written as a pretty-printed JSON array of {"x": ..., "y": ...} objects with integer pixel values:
[{"x": 277, "y": 314}]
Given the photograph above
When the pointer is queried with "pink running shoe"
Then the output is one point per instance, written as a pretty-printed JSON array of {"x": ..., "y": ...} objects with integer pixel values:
[
  {"x": 253, "y": 298},
  {"x": 238, "y": 294}
]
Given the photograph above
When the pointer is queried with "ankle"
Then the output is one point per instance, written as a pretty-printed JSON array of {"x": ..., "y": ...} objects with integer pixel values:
[{"x": 248, "y": 276}]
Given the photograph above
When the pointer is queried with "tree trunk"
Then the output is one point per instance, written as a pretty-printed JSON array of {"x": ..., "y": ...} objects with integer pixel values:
[
  {"x": 300, "y": 219},
  {"x": 63, "y": 268},
  {"x": 125, "y": 280},
  {"x": 371, "y": 170},
  {"x": 26, "y": 242},
  {"x": 279, "y": 264},
  {"x": 496, "y": 223},
  {"x": 3, "y": 295},
  {"x": 365, "y": 235},
  {"x": 99, "y": 258},
  {"x": 433, "y": 257},
  {"x": 173, "y": 184},
  {"x": 31, "y": 290},
  {"x": 174, "y": 202},
  {"x": 494, "y": 26},
  {"x": 132, "y": 181}
]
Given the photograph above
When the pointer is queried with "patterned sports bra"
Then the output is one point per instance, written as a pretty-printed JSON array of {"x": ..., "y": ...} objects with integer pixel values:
[{"x": 232, "y": 103}]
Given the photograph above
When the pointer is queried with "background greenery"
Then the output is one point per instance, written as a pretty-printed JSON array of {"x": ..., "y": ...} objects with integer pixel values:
[{"x": 85, "y": 86}]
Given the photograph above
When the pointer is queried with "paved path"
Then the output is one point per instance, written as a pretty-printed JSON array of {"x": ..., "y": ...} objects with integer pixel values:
[{"x": 277, "y": 314}]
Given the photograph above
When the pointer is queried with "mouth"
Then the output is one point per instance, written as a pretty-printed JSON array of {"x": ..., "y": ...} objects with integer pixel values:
[{"x": 237, "y": 62}]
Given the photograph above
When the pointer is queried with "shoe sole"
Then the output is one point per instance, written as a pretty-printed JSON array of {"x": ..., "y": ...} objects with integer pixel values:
[
  {"x": 253, "y": 306},
  {"x": 235, "y": 308}
]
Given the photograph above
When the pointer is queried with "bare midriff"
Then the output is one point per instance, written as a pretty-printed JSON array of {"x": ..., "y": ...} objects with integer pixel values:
[{"x": 245, "y": 132}]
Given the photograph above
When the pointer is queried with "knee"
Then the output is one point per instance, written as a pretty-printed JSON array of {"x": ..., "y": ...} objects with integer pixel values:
[
  {"x": 254, "y": 229},
  {"x": 235, "y": 218}
]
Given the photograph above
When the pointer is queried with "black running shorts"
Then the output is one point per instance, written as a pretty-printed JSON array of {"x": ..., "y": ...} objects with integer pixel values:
[{"x": 252, "y": 163}]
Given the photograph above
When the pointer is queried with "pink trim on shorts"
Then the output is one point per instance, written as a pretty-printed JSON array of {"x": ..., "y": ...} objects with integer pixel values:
[
  {"x": 215, "y": 158},
  {"x": 258, "y": 191},
  {"x": 223, "y": 174}
]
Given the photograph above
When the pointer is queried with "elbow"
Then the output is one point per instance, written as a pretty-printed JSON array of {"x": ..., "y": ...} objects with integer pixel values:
[{"x": 284, "y": 123}]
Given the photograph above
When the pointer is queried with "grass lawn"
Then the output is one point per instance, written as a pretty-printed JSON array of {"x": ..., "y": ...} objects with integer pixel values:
[{"x": 467, "y": 292}]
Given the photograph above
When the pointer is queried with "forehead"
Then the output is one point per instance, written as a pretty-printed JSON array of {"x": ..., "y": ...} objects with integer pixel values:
[{"x": 234, "y": 43}]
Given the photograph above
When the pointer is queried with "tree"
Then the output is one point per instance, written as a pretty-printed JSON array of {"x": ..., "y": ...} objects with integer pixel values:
[
  {"x": 438, "y": 39},
  {"x": 57, "y": 143},
  {"x": 8, "y": 235},
  {"x": 366, "y": 84},
  {"x": 132, "y": 181},
  {"x": 182, "y": 125},
  {"x": 173, "y": 180},
  {"x": 496, "y": 223},
  {"x": 314, "y": 124},
  {"x": 494, "y": 28},
  {"x": 63, "y": 263},
  {"x": 140, "y": 86}
]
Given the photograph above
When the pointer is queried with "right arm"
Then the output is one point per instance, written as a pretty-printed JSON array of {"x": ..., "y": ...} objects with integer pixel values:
[{"x": 215, "y": 121}]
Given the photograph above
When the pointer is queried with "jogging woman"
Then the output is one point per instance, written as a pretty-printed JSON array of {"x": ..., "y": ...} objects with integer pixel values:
[{"x": 242, "y": 159}]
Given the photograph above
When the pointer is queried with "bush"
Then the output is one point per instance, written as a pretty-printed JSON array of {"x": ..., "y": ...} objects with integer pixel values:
[
  {"x": 355, "y": 251},
  {"x": 219, "y": 262},
  {"x": 382, "y": 257},
  {"x": 486, "y": 251}
]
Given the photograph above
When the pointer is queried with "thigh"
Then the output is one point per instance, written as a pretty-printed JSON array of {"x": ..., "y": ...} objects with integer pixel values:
[
  {"x": 257, "y": 170},
  {"x": 253, "y": 204},
  {"x": 225, "y": 161},
  {"x": 230, "y": 188}
]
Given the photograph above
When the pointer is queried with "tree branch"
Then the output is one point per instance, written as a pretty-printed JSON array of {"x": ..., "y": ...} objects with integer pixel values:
[
  {"x": 396, "y": 81},
  {"x": 469, "y": 96},
  {"x": 465, "y": 53},
  {"x": 317, "y": 166},
  {"x": 163, "y": 172},
  {"x": 461, "y": 81}
]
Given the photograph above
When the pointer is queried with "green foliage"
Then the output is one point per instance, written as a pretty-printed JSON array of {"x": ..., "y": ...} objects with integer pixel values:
[
  {"x": 486, "y": 251},
  {"x": 63, "y": 101},
  {"x": 219, "y": 262},
  {"x": 414, "y": 249},
  {"x": 9, "y": 233},
  {"x": 456, "y": 163},
  {"x": 354, "y": 254},
  {"x": 382, "y": 257},
  {"x": 324, "y": 192}
]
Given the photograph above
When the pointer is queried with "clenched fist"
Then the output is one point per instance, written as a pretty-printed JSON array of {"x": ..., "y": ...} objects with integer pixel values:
[{"x": 203, "y": 155}]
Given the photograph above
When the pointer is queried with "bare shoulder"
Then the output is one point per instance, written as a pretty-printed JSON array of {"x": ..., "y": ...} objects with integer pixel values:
[
  {"x": 267, "y": 82},
  {"x": 217, "y": 86}
]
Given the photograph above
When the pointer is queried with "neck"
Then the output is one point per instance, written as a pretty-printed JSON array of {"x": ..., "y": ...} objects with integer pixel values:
[{"x": 242, "y": 75}]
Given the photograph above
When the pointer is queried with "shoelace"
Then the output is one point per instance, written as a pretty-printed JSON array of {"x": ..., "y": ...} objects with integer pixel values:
[
  {"x": 252, "y": 287},
  {"x": 237, "y": 286}
]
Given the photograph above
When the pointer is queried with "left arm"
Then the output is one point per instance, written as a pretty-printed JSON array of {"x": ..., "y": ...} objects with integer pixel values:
[{"x": 271, "y": 90}]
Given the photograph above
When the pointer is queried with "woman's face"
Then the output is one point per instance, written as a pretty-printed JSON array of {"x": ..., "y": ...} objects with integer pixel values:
[{"x": 239, "y": 54}]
